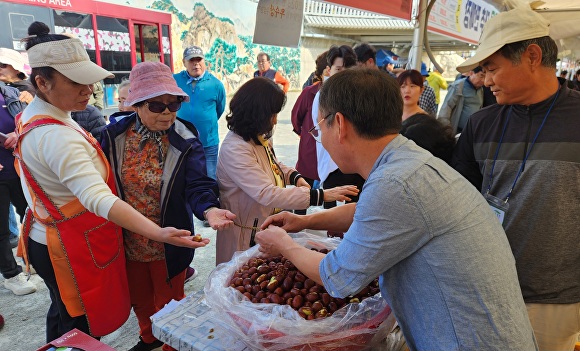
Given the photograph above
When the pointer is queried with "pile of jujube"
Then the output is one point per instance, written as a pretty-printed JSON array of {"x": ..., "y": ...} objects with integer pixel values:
[{"x": 277, "y": 280}]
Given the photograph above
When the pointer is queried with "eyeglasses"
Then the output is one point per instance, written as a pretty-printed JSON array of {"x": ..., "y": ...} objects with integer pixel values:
[
  {"x": 158, "y": 107},
  {"x": 316, "y": 132}
]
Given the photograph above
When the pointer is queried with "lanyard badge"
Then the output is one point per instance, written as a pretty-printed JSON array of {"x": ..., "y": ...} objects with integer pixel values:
[{"x": 499, "y": 206}]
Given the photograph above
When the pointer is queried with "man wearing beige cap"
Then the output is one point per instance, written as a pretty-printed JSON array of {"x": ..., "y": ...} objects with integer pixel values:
[{"x": 524, "y": 156}]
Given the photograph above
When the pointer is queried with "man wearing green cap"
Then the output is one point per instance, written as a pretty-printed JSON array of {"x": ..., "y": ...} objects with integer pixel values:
[{"x": 524, "y": 156}]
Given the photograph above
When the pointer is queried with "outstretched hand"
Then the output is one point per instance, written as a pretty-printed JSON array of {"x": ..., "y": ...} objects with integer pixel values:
[
  {"x": 181, "y": 237},
  {"x": 220, "y": 219},
  {"x": 340, "y": 193}
]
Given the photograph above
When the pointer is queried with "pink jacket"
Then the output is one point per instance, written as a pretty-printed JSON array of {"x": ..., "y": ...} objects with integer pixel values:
[{"x": 247, "y": 188}]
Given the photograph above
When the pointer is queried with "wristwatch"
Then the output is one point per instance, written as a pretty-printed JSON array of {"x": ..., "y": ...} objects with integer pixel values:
[{"x": 207, "y": 211}]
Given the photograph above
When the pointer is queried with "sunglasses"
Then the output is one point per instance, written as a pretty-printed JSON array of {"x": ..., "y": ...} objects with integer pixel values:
[{"x": 158, "y": 107}]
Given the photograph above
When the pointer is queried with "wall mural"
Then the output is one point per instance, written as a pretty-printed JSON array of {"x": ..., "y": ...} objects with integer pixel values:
[{"x": 224, "y": 30}]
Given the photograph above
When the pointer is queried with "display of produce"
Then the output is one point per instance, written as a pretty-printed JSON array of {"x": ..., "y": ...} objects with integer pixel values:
[
  {"x": 269, "y": 305},
  {"x": 277, "y": 280}
]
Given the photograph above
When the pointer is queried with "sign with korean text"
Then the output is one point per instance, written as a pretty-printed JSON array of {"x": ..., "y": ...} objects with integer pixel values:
[
  {"x": 279, "y": 22},
  {"x": 460, "y": 19}
]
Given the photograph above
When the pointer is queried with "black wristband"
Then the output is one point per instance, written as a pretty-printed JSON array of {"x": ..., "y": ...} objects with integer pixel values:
[
  {"x": 294, "y": 177},
  {"x": 316, "y": 197}
]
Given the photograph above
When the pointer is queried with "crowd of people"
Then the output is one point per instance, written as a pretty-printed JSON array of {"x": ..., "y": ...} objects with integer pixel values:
[{"x": 465, "y": 210}]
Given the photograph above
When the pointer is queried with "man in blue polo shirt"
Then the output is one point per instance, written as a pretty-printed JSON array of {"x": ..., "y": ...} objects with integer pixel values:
[{"x": 206, "y": 105}]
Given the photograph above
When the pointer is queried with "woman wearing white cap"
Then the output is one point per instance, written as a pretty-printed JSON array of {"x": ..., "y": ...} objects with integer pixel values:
[
  {"x": 12, "y": 73},
  {"x": 74, "y": 242}
]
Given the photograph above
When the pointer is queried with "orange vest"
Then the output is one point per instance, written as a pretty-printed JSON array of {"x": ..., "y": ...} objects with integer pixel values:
[{"x": 86, "y": 250}]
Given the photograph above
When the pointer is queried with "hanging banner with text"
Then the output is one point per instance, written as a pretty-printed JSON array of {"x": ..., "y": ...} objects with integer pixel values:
[
  {"x": 460, "y": 19},
  {"x": 279, "y": 22}
]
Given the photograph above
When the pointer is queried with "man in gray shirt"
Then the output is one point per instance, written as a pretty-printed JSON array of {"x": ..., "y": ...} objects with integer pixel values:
[{"x": 444, "y": 262}]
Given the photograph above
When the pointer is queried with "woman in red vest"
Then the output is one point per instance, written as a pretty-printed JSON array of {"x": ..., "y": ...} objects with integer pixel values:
[{"x": 74, "y": 242}]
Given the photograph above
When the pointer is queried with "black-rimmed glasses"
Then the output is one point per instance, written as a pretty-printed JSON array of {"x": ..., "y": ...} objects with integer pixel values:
[
  {"x": 158, "y": 107},
  {"x": 315, "y": 131}
]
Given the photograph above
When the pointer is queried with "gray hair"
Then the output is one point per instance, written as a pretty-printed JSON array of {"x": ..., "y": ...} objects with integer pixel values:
[
  {"x": 124, "y": 82},
  {"x": 514, "y": 51}
]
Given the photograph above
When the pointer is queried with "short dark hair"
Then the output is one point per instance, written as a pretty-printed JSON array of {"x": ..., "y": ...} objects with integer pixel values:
[
  {"x": 514, "y": 51},
  {"x": 263, "y": 54},
  {"x": 364, "y": 52},
  {"x": 370, "y": 99},
  {"x": 252, "y": 108},
  {"x": 39, "y": 33},
  {"x": 430, "y": 134},
  {"x": 477, "y": 69},
  {"x": 345, "y": 52},
  {"x": 411, "y": 74},
  {"x": 320, "y": 66}
]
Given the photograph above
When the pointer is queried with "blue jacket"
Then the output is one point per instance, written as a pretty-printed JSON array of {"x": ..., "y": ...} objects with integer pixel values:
[
  {"x": 206, "y": 105},
  {"x": 186, "y": 189}
]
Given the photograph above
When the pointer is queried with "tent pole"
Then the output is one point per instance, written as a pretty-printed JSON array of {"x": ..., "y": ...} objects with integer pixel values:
[{"x": 417, "y": 49}]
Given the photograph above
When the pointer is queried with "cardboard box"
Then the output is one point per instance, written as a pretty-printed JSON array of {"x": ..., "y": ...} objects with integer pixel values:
[{"x": 77, "y": 340}]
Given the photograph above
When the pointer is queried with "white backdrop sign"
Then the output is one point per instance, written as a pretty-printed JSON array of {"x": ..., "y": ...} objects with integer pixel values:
[{"x": 279, "y": 22}]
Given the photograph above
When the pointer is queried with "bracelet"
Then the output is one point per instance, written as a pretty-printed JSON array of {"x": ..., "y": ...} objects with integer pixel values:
[{"x": 207, "y": 211}]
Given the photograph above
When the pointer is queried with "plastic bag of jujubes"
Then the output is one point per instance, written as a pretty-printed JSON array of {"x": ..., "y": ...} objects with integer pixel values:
[{"x": 279, "y": 326}]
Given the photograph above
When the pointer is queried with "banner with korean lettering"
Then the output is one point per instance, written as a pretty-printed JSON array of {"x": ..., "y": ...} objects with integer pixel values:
[
  {"x": 460, "y": 19},
  {"x": 279, "y": 22}
]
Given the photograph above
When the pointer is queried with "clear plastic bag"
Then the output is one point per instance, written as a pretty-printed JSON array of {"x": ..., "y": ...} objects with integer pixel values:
[{"x": 272, "y": 327}]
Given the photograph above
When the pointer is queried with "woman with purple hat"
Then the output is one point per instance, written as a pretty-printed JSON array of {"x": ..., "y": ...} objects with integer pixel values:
[
  {"x": 72, "y": 233},
  {"x": 159, "y": 166}
]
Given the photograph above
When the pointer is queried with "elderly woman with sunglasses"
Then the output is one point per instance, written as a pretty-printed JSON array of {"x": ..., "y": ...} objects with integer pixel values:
[
  {"x": 159, "y": 167},
  {"x": 251, "y": 179}
]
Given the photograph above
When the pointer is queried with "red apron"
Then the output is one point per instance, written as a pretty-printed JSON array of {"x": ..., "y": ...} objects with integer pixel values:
[{"x": 86, "y": 250}]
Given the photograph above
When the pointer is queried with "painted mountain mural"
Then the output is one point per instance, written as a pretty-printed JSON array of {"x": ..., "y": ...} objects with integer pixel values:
[{"x": 230, "y": 55}]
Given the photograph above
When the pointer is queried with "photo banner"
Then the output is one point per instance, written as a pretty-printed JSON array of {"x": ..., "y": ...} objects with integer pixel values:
[{"x": 279, "y": 22}]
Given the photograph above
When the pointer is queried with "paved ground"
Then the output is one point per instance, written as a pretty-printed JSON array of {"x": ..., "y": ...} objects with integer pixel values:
[{"x": 25, "y": 315}]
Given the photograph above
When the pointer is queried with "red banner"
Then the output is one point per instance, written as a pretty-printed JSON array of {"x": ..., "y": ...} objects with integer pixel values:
[{"x": 396, "y": 8}]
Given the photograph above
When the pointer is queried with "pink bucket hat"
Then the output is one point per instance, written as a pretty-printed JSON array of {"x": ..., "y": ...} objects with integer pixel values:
[{"x": 151, "y": 79}]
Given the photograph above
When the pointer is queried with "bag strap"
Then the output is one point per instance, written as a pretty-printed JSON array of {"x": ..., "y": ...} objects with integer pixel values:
[{"x": 35, "y": 189}]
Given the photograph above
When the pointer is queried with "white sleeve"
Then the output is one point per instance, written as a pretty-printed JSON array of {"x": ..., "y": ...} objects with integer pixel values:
[{"x": 78, "y": 168}]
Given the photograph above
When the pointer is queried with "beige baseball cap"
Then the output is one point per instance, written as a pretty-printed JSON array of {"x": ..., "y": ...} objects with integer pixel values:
[
  {"x": 70, "y": 58},
  {"x": 504, "y": 28}
]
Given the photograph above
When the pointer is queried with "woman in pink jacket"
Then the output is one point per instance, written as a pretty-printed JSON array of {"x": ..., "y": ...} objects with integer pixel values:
[{"x": 251, "y": 180}]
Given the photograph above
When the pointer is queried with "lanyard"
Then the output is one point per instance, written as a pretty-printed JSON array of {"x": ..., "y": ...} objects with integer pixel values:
[{"x": 527, "y": 153}]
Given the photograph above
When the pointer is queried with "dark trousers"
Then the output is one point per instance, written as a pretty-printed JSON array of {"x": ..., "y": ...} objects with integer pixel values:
[
  {"x": 58, "y": 321},
  {"x": 10, "y": 191},
  {"x": 337, "y": 178}
]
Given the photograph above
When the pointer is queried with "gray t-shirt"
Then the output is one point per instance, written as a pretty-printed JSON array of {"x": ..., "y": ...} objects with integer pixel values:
[{"x": 444, "y": 262}]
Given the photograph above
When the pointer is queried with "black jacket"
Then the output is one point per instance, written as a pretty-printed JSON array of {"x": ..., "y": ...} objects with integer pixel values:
[{"x": 91, "y": 119}]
